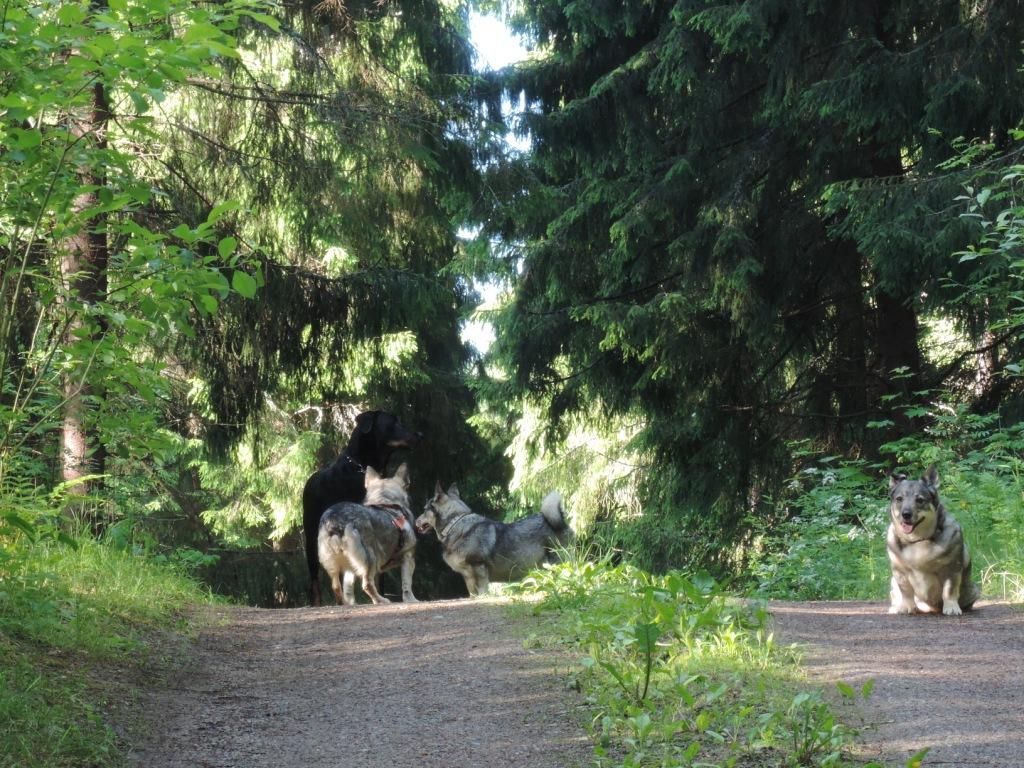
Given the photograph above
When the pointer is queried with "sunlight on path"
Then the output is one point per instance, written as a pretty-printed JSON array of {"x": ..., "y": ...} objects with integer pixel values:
[{"x": 951, "y": 684}]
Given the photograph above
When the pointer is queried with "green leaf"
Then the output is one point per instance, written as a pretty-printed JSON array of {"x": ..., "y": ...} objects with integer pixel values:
[
  {"x": 71, "y": 13},
  {"x": 264, "y": 19},
  {"x": 201, "y": 31},
  {"x": 219, "y": 210},
  {"x": 184, "y": 232},
  {"x": 244, "y": 284},
  {"x": 846, "y": 690},
  {"x": 208, "y": 303},
  {"x": 224, "y": 50},
  {"x": 646, "y": 635},
  {"x": 226, "y": 247},
  {"x": 15, "y": 521}
]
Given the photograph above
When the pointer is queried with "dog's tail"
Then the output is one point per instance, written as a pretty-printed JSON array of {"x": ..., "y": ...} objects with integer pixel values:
[
  {"x": 337, "y": 537},
  {"x": 552, "y": 511},
  {"x": 354, "y": 548}
]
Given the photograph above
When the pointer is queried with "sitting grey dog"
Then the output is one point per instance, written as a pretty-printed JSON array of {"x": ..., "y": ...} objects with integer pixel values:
[{"x": 931, "y": 568}]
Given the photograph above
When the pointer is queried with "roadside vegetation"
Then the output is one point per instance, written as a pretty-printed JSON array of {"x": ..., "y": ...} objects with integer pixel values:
[
  {"x": 676, "y": 672},
  {"x": 83, "y": 626},
  {"x": 826, "y": 539}
]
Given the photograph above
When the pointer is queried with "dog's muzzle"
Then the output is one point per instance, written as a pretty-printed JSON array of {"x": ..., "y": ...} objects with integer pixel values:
[
  {"x": 410, "y": 440},
  {"x": 907, "y": 524},
  {"x": 422, "y": 524}
]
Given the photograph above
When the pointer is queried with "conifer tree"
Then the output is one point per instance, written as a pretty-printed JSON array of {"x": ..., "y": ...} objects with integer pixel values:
[{"x": 738, "y": 220}]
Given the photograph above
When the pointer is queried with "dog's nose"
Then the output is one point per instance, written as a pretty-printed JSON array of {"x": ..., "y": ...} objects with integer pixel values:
[{"x": 907, "y": 515}]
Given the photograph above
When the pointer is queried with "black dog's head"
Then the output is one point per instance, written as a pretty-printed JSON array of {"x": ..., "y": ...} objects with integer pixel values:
[
  {"x": 377, "y": 435},
  {"x": 914, "y": 506}
]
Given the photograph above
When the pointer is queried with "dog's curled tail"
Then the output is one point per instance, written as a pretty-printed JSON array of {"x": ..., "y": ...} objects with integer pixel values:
[{"x": 552, "y": 511}]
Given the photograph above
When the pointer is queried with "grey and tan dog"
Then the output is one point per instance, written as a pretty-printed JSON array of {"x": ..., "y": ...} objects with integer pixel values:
[
  {"x": 481, "y": 549},
  {"x": 931, "y": 568},
  {"x": 365, "y": 539}
]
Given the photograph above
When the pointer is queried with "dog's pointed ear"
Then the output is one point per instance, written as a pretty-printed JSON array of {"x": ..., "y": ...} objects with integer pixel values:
[
  {"x": 453, "y": 491},
  {"x": 365, "y": 420},
  {"x": 931, "y": 477},
  {"x": 372, "y": 474},
  {"x": 402, "y": 473},
  {"x": 895, "y": 479},
  {"x": 438, "y": 490}
]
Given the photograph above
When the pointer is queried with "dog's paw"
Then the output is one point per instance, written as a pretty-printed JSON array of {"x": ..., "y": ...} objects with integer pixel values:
[
  {"x": 903, "y": 608},
  {"x": 951, "y": 608},
  {"x": 409, "y": 598}
]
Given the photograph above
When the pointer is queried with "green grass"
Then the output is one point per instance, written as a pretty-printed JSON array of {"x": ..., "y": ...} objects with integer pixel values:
[
  {"x": 77, "y": 623},
  {"x": 827, "y": 537},
  {"x": 677, "y": 673}
]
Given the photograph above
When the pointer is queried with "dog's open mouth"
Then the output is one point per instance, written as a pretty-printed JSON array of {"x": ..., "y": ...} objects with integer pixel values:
[{"x": 908, "y": 527}]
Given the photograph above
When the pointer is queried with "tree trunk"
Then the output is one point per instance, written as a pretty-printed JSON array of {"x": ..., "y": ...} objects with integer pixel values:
[
  {"x": 851, "y": 343},
  {"x": 84, "y": 261},
  {"x": 899, "y": 357}
]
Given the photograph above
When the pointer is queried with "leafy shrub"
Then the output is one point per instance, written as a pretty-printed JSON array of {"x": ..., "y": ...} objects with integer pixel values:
[
  {"x": 677, "y": 673},
  {"x": 828, "y": 539}
]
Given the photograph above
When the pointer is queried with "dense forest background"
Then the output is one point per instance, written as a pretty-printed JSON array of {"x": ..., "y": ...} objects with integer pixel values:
[{"x": 749, "y": 257}]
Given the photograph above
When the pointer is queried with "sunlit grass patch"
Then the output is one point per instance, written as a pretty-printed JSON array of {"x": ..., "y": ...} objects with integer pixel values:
[
  {"x": 73, "y": 619},
  {"x": 677, "y": 673}
]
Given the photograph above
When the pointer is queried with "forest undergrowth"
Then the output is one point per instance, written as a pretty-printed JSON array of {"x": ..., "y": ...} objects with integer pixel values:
[
  {"x": 826, "y": 540},
  {"x": 82, "y": 624},
  {"x": 676, "y": 672}
]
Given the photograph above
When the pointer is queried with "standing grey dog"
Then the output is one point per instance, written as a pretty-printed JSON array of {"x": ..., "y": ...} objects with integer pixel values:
[
  {"x": 365, "y": 539},
  {"x": 931, "y": 569},
  {"x": 481, "y": 549}
]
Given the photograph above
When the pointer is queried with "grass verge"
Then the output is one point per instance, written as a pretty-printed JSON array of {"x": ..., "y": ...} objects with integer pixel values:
[
  {"x": 78, "y": 625},
  {"x": 676, "y": 673}
]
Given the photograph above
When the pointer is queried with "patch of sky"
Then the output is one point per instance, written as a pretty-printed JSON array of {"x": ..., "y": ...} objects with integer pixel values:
[{"x": 496, "y": 47}]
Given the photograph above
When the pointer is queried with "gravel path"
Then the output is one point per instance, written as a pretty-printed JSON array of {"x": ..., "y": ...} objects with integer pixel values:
[
  {"x": 951, "y": 684},
  {"x": 449, "y": 684},
  {"x": 444, "y": 684}
]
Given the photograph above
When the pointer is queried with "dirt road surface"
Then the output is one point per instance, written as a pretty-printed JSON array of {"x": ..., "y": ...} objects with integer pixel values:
[
  {"x": 451, "y": 684},
  {"x": 951, "y": 684},
  {"x": 444, "y": 684}
]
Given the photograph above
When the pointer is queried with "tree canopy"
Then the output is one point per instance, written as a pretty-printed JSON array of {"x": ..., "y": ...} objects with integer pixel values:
[
  {"x": 741, "y": 235},
  {"x": 740, "y": 227}
]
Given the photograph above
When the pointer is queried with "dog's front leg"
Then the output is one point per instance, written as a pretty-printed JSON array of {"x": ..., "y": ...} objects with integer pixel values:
[
  {"x": 951, "y": 595},
  {"x": 469, "y": 574},
  {"x": 483, "y": 580},
  {"x": 408, "y": 566},
  {"x": 901, "y": 595}
]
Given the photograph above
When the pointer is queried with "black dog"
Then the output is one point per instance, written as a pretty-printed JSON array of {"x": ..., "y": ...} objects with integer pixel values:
[{"x": 376, "y": 436}]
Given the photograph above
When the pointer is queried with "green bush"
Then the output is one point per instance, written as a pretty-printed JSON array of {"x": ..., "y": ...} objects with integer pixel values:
[
  {"x": 827, "y": 540},
  {"x": 677, "y": 673}
]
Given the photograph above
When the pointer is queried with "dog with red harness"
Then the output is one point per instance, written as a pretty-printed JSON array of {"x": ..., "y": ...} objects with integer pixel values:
[
  {"x": 377, "y": 435},
  {"x": 365, "y": 539}
]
